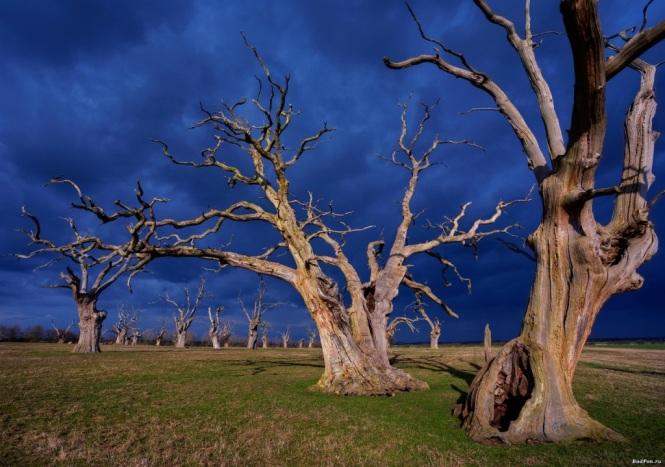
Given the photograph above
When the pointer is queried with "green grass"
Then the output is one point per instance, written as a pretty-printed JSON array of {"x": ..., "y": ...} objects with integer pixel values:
[{"x": 148, "y": 406}]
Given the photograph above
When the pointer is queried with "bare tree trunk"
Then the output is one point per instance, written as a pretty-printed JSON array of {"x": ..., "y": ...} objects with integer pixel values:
[
  {"x": 252, "y": 337},
  {"x": 180, "y": 339},
  {"x": 434, "y": 338},
  {"x": 158, "y": 341},
  {"x": 61, "y": 340},
  {"x": 525, "y": 392},
  {"x": 214, "y": 338},
  {"x": 264, "y": 341},
  {"x": 487, "y": 343},
  {"x": 352, "y": 365},
  {"x": 90, "y": 326},
  {"x": 227, "y": 344},
  {"x": 121, "y": 337}
]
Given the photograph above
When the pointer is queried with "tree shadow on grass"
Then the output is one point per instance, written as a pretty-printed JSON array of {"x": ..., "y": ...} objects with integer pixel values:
[
  {"x": 432, "y": 364},
  {"x": 260, "y": 366}
]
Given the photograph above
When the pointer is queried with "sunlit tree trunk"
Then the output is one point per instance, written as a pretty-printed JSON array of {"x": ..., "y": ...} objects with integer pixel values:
[{"x": 90, "y": 325}]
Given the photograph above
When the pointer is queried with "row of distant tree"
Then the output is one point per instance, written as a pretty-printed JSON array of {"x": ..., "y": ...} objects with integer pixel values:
[{"x": 39, "y": 333}]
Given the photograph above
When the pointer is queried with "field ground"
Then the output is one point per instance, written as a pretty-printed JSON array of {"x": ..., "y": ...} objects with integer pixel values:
[{"x": 150, "y": 406}]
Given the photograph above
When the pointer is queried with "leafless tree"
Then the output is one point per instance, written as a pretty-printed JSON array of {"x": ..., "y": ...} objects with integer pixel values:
[
  {"x": 434, "y": 324},
  {"x": 215, "y": 330},
  {"x": 225, "y": 335},
  {"x": 397, "y": 322},
  {"x": 255, "y": 315},
  {"x": 285, "y": 338},
  {"x": 487, "y": 343},
  {"x": 525, "y": 392},
  {"x": 352, "y": 332},
  {"x": 99, "y": 263},
  {"x": 161, "y": 334},
  {"x": 125, "y": 323},
  {"x": 185, "y": 313},
  {"x": 265, "y": 343},
  {"x": 301, "y": 343},
  {"x": 60, "y": 333},
  {"x": 311, "y": 338},
  {"x": 135, "y": 336}
]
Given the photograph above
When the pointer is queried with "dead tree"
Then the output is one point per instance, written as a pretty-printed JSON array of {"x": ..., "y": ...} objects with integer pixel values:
[
  {"x": 285, "y": 339},
  {"x": 255, "y": 315},
  {"x": 215, "y": 330},
  {"x": 525, "y": 393},
  {"x": 434, "y": 325},
  {"x": 311, "y": 338},
  {"x": 487, "y": 343},
  {"x": 99, "y": 263},
  {"x": 62, "y": 334},
  {"x": 225, "y": 335},
  {"x": 122, "y": 327},
  {"x": 185, "y": 313},
  {"x": 397, "y": 322},
  {"x": 135, "y": 336},
  {"x": 160, "y": 335},
  {"x": 265, "y": 343},
  {"x": 301, "y": 343},
  {"x": 353, "y": 334}
]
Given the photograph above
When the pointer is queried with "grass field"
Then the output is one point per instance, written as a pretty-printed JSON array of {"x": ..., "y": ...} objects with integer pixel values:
[{"x": 149, "y": 406}]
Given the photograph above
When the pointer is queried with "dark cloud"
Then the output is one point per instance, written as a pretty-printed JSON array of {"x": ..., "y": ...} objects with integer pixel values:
[{"x": 87, "y": 85}]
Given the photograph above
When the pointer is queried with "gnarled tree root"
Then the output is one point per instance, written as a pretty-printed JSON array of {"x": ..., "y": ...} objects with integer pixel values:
[{"x": 521, "y": 396}]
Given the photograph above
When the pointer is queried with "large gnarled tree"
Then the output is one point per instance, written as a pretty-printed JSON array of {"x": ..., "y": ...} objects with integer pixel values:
[
  {"x": 525, "y": 392},
  {"x": 353, "y": 330},
  {"x": 94, "y": 265}
]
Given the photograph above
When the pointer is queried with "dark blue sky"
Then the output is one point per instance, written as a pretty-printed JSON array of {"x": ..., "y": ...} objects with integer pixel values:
[{"x": 87, "y": 85}]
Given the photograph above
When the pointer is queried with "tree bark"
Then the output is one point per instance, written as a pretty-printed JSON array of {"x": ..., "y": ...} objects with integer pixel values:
[
  {"x": 90, "y": 325},
  {"x": 180, "y": 340},
  {"x": 121, "y": 337},
  {"x": 264, "y": 340},
  {"x": 214, "y": 338},
  {"x": 525, "y": 392},
  {"x": 352, "y": 364},
  {"x": 252, "y": 337},
  {"x": 487, "y": 343},
  {"x": 434, "y": 338}
]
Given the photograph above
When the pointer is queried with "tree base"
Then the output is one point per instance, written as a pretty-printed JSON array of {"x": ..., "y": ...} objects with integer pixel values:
[
  {"x": 369, "y": 382},
  {"x": 519, "y": 397}
]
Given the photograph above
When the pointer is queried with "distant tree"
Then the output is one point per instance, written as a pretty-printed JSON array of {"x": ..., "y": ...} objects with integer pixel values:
[
  {"x": 161, "y": 334},
  {"x": 311, "y": 338},
  {"x": 255, "y": 315},
  {"x": 124, "y": 324},
  {"x": 225, "y": 335},
  {"x": 434, "y": 324},
  {"x": 135, "y": 335},
  {"x": 285, "y": 338},
  {"x": 525, "y": 394},
  {"x": 185, "y": 313},
  {"x": 265, "y": 342},
  {"x": 34, "y": 333},
  {"x": 10, "y": 333},
  {"x": 215, "y": 330},
  {"x": 301, "y": 343},
  {"x": 391, "y": 329},
  {"x": 99, "y": 263},
  {"x": 62, "y": 334}
]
